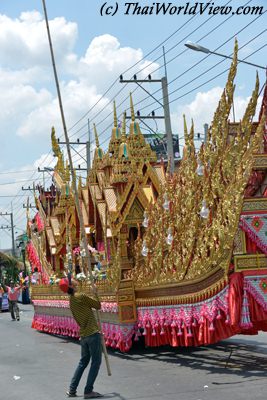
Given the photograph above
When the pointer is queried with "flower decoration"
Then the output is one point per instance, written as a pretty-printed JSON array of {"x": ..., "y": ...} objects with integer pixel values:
[
  {"x": 39, "y": 222},
  {"x": 263, "y": 285},
  {"x": 257, "y": 223}
]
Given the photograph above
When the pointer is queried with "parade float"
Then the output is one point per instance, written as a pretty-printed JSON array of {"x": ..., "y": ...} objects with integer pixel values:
[{"x": 178, "y": 258}]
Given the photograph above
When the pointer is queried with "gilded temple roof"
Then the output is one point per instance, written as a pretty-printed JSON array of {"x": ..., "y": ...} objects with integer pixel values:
[
  {"x": 111, "y": 199},
  {"x": 50, "y": 237},
  {"x": 95, "y": 191},
  {"x": 54, "y": 222}
]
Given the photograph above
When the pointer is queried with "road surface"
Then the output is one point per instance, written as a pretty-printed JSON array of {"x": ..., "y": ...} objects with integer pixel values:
[{"x": 38, "y": 366}]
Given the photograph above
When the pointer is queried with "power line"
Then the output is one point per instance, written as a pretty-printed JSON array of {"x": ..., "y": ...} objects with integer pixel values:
[
  {"x": 132, "y": 66},
  {"x": 16, "y": 172},
  {"x": 196, "y": 64},
  {"x": 208, "y": 70},
  {"x": 181, "y": 41},
  {"x": 203, "y": 59}
]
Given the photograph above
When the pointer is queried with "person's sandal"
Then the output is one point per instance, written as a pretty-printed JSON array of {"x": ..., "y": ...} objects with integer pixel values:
[{"x": 71, "y": 394}]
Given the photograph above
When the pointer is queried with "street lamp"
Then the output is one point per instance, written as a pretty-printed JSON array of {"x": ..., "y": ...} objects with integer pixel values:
[{"x": 197, "y": 47}]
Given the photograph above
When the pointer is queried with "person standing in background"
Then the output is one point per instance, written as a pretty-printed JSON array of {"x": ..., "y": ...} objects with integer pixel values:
[{"x": 13, "y": 295}]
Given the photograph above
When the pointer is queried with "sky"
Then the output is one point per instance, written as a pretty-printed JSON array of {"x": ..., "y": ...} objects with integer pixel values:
[{"x": 91, "y": 52}]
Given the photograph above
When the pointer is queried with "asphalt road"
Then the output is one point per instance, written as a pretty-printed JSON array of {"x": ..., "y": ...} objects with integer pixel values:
[{"x": 38, "y": 366}]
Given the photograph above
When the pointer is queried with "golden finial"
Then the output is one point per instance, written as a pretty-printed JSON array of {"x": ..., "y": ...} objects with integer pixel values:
[
  {"x": 98, "y": 151},
  {"x": 132, "y": 108},
  {"x": 96, "y": 137},
  {"x": 115, "y": 115},
  {"x": 124, "y": 149},
  {"x": 123, "y": 132},
  {"x": 115, "y": 135},
  {"x": 185, "y": 127},
  {"x": 55, "y": 145}
]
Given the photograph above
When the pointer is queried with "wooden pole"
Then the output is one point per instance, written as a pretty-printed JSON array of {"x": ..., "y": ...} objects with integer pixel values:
[{"x": 78, "y": 208}]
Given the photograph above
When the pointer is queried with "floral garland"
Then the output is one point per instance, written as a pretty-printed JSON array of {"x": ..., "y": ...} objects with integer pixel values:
[
  {"x": 39, "y": 222},
  {"x": 35, "y": 262},
  {"x": 33, "y": 257}
]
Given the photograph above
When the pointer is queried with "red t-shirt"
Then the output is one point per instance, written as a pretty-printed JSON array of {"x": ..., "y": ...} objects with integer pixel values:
[{"x": 13, "y": 293}]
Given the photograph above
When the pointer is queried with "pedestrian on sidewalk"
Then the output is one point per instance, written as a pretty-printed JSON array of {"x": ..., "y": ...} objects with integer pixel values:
[
  {"x": 13, "y": 295},
  {"x": 81, "y": 306}
]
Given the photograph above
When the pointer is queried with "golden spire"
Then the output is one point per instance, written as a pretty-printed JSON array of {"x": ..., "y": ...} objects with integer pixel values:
[
  {"x": 96, "y": 137},
  {"x": 123, "y": 132},
  {"x": 98, "y": 150},
  {"x": 115, "y": 115},
  {"x": 124, "y": 149},
  {"x": 132, "y": 108},
  {"x": 113, "y": 146}
]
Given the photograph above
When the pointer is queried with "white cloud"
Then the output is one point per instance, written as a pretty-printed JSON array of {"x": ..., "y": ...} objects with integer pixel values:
[
  {"x": 105, "y": 60},
  {"x": 105, "y": 51},
  {"x": 19, "y": 100},
  {"x": 27, "y": 89},
  {"x": 23, "y": 41},
  {"x": 77, "y": 99}
]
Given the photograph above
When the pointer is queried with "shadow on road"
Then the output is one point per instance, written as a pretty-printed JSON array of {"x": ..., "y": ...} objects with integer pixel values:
[{"x": 239, "y": 359}]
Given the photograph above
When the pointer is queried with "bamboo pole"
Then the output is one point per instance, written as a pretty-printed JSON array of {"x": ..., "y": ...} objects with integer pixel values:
[{"x": 79, "y": 212}]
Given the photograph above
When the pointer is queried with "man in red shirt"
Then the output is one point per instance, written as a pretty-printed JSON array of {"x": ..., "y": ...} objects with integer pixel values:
[{"x": 13, "y": 295}]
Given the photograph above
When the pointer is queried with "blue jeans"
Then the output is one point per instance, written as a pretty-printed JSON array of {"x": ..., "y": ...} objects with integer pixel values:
[{"x": 90, "y": 349}]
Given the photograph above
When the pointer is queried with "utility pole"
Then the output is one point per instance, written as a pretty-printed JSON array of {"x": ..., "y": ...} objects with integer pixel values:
[
  {"x": 45, "y": 170},
  {"x": 12, "y": 229},
  {"x": 76, "y": 197},
  {"x": 165, "y": 105}
]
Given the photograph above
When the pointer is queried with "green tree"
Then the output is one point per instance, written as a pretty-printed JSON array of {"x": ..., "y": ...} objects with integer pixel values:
[{"x": 9, "y": 268}]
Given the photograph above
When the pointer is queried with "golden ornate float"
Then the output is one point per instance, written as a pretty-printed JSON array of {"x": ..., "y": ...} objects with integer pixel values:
[{"x": 179, "y": 259}]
